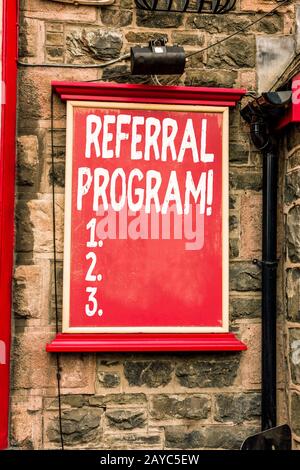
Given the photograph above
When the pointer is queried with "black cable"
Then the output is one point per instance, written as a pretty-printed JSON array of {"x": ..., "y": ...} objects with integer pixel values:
[
  {"x": 58, "y": 368},
  {"x": 77, "y": 66},
  {"x": 240, "y": 30}
]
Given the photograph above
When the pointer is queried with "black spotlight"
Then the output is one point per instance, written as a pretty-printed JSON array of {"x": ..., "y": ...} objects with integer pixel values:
[{"x": 157, "y": 59}]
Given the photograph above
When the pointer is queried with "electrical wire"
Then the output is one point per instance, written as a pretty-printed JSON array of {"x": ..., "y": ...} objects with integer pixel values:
[
  {"x": 58, "y": 367},
  {"x": 240, "y": 30},
  {"x": 78, "y": 66}
]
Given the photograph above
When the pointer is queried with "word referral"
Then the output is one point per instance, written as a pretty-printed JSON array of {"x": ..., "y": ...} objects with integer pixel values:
[{"x": 146, "y": 139}]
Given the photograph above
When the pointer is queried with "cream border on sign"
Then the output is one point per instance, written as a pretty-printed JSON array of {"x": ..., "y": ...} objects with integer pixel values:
[{"x": 68, "y": 218}]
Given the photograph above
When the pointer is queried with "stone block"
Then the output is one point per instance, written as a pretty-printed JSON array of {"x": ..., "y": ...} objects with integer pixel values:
[
  {"x": 126, "y": 419},
  {"x": 210, "y": 78},
  {"x": 239, "y": 153},
  {"x": 293, "y": 294},
  {"x": 42, "y": 225},
  {"x": 237, "y": 407},
  {"x": 295, "y": 413},
  {"x": 208, "y": 370},
  {"x": 209, "y": 437},
  {"x": 251, "y": 225},
  {"x": 151, "y": 19},
  {"x": 33, "y": 366},
  {"x": 57, "y": 175},
  {"x": 187, "y": 39},
  {"x": 195, "y": 406},
  {"x": 116, "y": 18},
  {"x": 249, "y": 376},
  {"x": 153, "y": 374},
  {"x": 294, "y": 162},
  {"x": 244, "y": 276},
  {"x": 220, "y": 24},
  {"x": 77, "y": 372},
  {"x": 294, "y": 345},
  {"x": 79, "y": 426},
  {"x": 25, "y": 428},
  {"x": 86, "y": 45},
  {"x": 114, "y": 400},
  {"x": 29, "y": 31},
  {"x": 52, "y": 11},
  {"x": 133, "y": 441},
  {"x": 293, "y": 234},
  {"x": 143, "y": 37},
  {"x": 24, "y": 233},
  {"x": 292, "y": 186},
  {"x": 244, "y": 307},
  {"x": 27, "y": 159},
  {"x": 27, "y": 291},
  {"x": 247, "y": 180},
  {"x": 292, "y": 136},
  {"x": 237, "y": 52},
  {"x": 108, "y": 379}
]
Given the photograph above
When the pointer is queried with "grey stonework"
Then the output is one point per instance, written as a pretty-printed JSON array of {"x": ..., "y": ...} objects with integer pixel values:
[
  {"x": 293, "y": 234},
  {"x": 78, "y": 426},
  {"x": 237, "y": 408},
  {"x": 152, "y": 374},
  {"x": 126, "y": 419},
  {"x": 93, "y": 44},
  {"x": 208, "y": 370},
  {"x": 210, "y": 437},
  {"x": 294, "y": 347},
  {"x": 181, "y": 406},
  {"x": 293, "y": 294},
  {"x": 292, "y": 186},
  {"x": 291, "y": 194},
  {"x": 245, "y": 277}
]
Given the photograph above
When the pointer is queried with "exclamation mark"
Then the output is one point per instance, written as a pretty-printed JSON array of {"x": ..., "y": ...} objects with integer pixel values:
[{"x": 209, "y": 198}]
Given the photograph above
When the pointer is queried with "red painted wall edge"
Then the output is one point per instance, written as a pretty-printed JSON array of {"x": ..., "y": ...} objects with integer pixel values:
[{"x": 7, "y": 199}]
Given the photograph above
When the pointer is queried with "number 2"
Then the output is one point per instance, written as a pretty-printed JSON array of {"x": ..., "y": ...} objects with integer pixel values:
[{"x": 89, "y": 275}]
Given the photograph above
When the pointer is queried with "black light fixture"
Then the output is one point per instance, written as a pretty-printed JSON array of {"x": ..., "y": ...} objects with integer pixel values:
[
  {"x": 157, "y": 59},
  {"x": 188, "y": 6}
]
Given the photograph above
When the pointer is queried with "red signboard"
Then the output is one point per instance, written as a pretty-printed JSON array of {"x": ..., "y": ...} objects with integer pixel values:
[{"x": 146, "y": 221}]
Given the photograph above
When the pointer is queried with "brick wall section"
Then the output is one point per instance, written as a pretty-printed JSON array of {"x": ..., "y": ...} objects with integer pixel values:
[
  {"x": 198, "y": 400},
  {"x": 291, "y": 206}
]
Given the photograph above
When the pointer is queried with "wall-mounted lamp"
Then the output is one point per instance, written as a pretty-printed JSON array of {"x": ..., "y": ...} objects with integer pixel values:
[
  {"x": 188, "y": 6},
  {"x": 157, "y": 59}
]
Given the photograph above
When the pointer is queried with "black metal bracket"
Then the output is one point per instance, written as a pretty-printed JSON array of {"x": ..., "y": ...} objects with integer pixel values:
[{"x": 261, "y": 263}]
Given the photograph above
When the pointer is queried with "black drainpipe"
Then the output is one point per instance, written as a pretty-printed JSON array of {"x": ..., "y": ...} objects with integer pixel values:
[
  {"x": 269, "y": 275},
  {"x": 261, "y": 114},
  {"x": 262, "y": 140}
]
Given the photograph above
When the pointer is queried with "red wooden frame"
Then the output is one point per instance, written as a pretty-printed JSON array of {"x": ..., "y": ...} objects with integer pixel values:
[
  {"x": 91, "y": 342},
  {"x": 80, "y": 91},
  {"x": 7, "y": 198}
]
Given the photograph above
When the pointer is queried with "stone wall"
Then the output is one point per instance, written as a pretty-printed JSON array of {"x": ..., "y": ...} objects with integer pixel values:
[
  {"x": 195, "y": 400},
  {"x": 291, "y": 275}
]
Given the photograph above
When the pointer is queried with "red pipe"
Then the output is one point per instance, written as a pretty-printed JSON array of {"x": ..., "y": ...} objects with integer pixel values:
[{"x": 7, "y": 199}]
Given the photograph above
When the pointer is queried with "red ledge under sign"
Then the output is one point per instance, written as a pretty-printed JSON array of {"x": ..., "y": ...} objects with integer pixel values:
[
  {"x": 143, "y": 342},
  {"x": 146, "y": 219}
]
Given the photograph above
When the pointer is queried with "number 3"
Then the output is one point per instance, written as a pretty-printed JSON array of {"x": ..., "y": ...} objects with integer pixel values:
[{"x": 91, "y": 310}]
